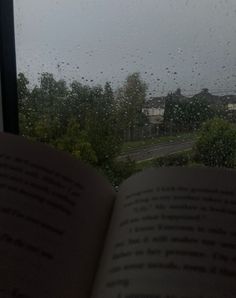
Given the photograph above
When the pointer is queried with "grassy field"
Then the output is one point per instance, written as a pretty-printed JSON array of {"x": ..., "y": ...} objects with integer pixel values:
[
  {"x": 129, "y": 146},
  {"x": 144, "y": 164},
  {"x": 141, "y": 165}
]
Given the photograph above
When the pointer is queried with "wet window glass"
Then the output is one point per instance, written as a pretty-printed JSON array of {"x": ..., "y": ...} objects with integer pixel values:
[{"x": 124, "y": 85}]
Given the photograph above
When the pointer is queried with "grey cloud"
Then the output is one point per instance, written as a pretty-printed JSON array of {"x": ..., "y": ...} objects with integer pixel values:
[{"x": 182, "y": 43}]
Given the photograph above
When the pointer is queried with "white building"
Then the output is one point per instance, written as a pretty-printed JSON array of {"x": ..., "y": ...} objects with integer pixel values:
[
  {"x": 154, "y": 115},
  {"x": 231, "y": 106},
  {"x": 154, "y": 109}
]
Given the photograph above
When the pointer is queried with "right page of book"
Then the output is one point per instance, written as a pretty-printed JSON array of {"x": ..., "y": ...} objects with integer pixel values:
[{"x": 172, "y": 235}]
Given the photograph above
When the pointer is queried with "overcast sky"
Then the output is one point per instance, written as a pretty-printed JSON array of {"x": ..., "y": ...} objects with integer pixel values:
[{"x": 173, "y": 43}]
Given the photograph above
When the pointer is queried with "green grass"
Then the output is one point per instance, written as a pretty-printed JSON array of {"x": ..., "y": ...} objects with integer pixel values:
[
  {"x": 128, "y": 146},
  {"x": 141, "y": 165}
]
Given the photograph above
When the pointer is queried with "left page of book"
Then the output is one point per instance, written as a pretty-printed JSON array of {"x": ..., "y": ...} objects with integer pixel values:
[{"x": 54, "y": 213}]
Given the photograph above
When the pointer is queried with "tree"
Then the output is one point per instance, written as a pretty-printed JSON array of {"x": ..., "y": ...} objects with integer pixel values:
[
  {"x": 75, "y": 141},
  {"x": 79, "y": 119},
  {"x": 80, "y": 102},
  {"x": 185, "y": 114},
  {"x": 42, "y": 110},
  {"x": 216, "y": 146},
  {"x": 196, "y": 112},
  {"x": 22, "y": 87},
  {"x": 47, "y": 83},
  {"x": 102, "y": 125},
  {"x": 131, "y": 98},
  {"x": 24, "y": 103}
]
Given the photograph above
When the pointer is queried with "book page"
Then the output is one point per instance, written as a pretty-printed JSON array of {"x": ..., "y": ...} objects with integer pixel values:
[
  {"x": 54, "y": 213},
  {"x": 172, "y": 235}
]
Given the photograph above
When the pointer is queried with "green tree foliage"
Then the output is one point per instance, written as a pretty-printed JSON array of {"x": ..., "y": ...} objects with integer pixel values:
[
  {"x": 26, "y": 111},
  {"x": 96, "y": 111},
  {"x": 103, "y": 127},
  {"x": 173, "y": 160},
  {"x": 89, "y": 122},
  {"x": 42, "y": 108},
  {"x": 131, "y": 97},
  {"x": 117, "y": 171},
  {"x": 216, "y": 146},
  {"x": 79, "y": 102},
  {"x": 75, "y": 141},
  {"x": 185, "y": 114},
  {"x": 22, "y": 87},
  {"x": 79, "y": 119}
]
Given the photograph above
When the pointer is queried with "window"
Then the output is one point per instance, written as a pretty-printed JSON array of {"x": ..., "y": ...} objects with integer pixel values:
[{"x": 114, "y": 82}]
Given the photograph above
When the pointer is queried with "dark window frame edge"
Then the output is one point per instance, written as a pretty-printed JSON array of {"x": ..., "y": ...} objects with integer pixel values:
[{"x": 8, "y": 73}]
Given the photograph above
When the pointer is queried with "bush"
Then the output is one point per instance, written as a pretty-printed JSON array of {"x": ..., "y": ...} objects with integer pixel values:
[
  {"x": 177, "y": 159},
  {"x": 118, "y": 171},
  {"x": 216, "y": 146}
]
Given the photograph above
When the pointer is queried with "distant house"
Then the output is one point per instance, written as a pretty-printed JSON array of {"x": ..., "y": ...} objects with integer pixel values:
[
  {"x": 230, "y": 102},
  {"x": 231, "y": 106},
  {"x": 154, "y": 109},
  {"x": 213, "y": 100}
]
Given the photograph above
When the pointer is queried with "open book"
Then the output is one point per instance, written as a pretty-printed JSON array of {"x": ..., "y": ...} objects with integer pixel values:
[{"x": 65, "y": 233}]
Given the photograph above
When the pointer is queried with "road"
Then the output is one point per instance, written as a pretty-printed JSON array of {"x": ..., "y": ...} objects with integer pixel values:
[{"x": 155, "y": 151}]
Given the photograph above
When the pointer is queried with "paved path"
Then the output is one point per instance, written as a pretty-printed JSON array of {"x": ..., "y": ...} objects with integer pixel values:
[{"x": 155, "y": 151}]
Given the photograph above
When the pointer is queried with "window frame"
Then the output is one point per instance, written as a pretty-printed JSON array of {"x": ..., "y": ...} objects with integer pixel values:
[{"x": 8, "y": 76}]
